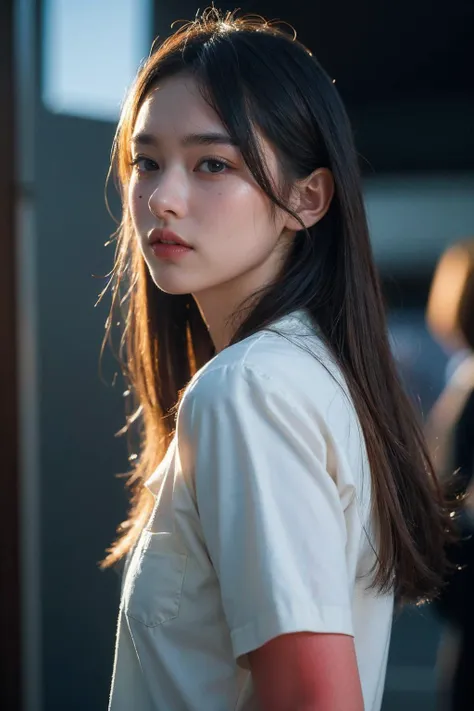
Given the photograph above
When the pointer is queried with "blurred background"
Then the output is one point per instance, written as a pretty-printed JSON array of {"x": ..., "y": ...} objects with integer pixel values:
[{"x": 404, "y": 70}]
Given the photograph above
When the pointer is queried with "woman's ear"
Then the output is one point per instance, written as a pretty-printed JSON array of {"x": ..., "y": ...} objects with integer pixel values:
[{"x": 311, "y": 198}]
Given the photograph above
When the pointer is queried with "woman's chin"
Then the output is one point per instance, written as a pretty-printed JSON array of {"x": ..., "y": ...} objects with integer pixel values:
[
  {"x": 174, "y": 290},
  {"x": 172, "y": 286}
]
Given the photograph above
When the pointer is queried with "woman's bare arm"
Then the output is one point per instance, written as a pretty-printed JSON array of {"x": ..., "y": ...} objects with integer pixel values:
[{"x": 307, "y": 672}]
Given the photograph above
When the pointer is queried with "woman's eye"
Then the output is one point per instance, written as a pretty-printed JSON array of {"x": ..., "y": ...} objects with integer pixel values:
[
  {"x": 144, "y": 165},
  {"x": 214, "y": 166}
]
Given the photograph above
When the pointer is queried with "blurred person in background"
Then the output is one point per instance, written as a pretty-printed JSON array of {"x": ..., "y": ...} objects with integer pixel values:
[
  {"x": 450, "y": 434},
  {"x": 283, "y": 495}
]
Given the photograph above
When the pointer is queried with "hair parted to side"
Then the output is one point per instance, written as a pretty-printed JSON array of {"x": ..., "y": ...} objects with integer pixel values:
[{"x": 255, "y": 74}]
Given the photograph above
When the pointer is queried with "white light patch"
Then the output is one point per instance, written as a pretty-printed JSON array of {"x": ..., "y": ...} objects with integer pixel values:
[{"x": 91, "y": 51}]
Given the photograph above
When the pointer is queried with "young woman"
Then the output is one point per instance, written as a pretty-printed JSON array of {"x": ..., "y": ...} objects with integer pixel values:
[{"x": 283, "y": 496}]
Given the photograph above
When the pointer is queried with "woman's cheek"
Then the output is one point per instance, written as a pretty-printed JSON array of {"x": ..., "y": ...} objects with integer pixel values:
[{"x": 135, "y": 201}]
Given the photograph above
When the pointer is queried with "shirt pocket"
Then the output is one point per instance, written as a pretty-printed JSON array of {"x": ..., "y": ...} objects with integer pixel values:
[{"x": 154, "y": 580}]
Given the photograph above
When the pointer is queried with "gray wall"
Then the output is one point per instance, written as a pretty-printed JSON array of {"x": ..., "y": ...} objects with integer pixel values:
[{"x": 81, "y": 501}]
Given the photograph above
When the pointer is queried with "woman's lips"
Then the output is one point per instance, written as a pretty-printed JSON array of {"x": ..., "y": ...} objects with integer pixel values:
[
  {"x": 169, "y": 251},
  {"x": 165, "y": 235}
]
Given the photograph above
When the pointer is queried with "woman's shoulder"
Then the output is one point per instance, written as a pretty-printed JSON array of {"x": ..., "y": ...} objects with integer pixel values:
[
  {"x": 288, "y": 358},
  {"x": 282, "y": 380}
]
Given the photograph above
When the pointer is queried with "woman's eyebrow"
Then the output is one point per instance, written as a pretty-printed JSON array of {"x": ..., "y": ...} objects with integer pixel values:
[{"x": 192, "y": 139}]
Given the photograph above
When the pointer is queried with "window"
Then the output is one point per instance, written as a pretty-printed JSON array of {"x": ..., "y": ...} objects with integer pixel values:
[{"x": 90, "y": 54}]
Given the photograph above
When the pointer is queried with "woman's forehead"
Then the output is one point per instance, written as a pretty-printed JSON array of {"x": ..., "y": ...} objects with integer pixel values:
[{"x": 176, "y": 105}]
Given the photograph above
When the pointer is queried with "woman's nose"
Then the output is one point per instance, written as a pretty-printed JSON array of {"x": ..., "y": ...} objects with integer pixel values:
[{"x": 169, "y": 195}]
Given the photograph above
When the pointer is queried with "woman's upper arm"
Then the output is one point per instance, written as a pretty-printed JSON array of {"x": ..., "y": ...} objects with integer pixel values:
[{"x": 305, "y": 671}]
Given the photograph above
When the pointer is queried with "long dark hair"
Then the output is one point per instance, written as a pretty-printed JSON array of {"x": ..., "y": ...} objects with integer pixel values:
[{"x": 254, "y": 74}]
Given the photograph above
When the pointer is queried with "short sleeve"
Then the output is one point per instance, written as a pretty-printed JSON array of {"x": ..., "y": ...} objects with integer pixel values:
[{"x": 271, "y": 514}]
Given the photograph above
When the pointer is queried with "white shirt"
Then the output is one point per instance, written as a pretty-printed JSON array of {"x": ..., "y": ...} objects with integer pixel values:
[{"x": 261, "y": 527}]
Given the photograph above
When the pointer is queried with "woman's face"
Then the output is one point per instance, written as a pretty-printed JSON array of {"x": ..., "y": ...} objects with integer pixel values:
[{"x": 189, "y": 178}]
